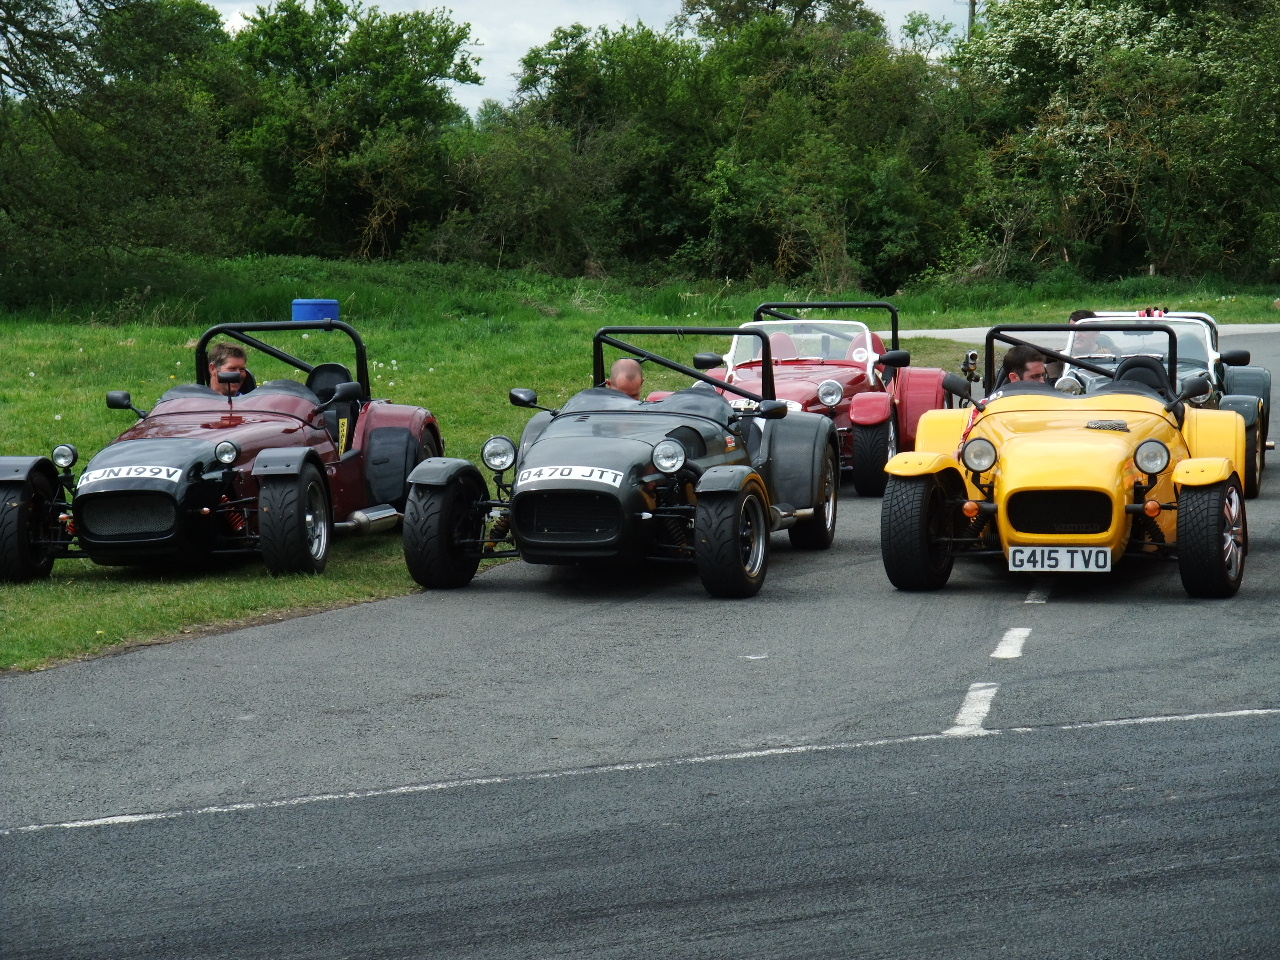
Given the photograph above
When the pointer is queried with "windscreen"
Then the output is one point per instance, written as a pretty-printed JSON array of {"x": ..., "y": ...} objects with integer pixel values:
[{"x": 806, "y": 340}]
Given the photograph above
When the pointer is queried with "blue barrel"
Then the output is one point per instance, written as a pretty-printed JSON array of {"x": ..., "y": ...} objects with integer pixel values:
[{"x": 315, "y": 310}]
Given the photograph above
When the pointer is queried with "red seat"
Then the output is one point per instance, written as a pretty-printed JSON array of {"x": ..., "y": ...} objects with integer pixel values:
[
  {"x": 783, "y": 347},
  {"x": 860, "y": 343}
]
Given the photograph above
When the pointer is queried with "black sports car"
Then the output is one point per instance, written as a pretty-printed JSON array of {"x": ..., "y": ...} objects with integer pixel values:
[{"x": 682, "y": 476}]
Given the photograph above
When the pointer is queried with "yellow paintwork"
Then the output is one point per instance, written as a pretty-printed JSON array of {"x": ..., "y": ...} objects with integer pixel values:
[{"x": 1044, "y": 443}]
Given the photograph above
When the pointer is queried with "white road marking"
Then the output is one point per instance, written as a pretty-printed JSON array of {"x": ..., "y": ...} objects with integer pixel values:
[
  {"x": 756, "y": 656},
  {"x": 1039, "y": 594},
  {"x": 443, "y": 785},
  {"x": 976, "y": 706},
  {"x": 1010, "y": 646}
]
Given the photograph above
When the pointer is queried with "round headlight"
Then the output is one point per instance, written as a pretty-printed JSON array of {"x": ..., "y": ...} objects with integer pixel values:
[
  {"x": 1069, "y": 385},
  {"x": 226, "y": 452},
  {"x": 979, "y": 455},
  {"x": 498, "y": 453},
  {"x": 794, "y": 406},
  {"x": 668, "y": 455},
  {"x": 1152, "y": 456},
  {"x": 65, "y": 455},
  {"x": 830, "y": 392}
]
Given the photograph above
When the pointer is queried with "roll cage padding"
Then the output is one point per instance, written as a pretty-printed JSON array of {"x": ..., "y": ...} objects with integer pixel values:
[
  {"x": 774, "y": 311},
  {"x": 242, "y": 332}
]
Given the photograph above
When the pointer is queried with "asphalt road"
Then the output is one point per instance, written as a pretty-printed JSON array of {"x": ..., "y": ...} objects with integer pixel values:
[{"x": 551, "y": 764}]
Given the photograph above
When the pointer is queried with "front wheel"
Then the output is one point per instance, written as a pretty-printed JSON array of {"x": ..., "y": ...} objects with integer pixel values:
[
  {"x": 819, "y": 532},
  {"x": 1213, "y": 538},
  {"x": 873, "y": 447},
  {"x": 731, "y": 542},
  {"x": 294, "y": 523},
  {"x": 916, "y": 533},
  {"x": 442, "y": 530},
  {"x": 28, "y": 516}
]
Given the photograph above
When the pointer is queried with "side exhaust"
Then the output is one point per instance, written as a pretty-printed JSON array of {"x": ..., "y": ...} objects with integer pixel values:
[{"x": 370, "y": 520}]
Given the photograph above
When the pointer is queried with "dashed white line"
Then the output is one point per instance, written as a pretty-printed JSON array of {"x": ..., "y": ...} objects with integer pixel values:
[
  {"x": 965, "y": 730},
  {"x": 1010, "y": 646},
  {"x": 976, "y": 706}
]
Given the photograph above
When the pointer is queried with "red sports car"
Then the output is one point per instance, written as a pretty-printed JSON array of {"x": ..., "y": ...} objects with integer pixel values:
[
  {"x": 274, "y": 470},
  {"x": 839, "y": 367}
]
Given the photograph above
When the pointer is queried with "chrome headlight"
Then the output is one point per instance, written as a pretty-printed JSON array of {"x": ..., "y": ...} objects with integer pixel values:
[
  {"x": 1152, "y": 456},
  {"x": 226, "y": 452},
  {"x": 794, "y": 406},
  {"x": 668, "y": 455},
  {"x": 65, "y": 455},
  {"x": 498, "y": 453},
  {"x": 979, "y": 455},
  {"x": 1069, "y": 385},
  {"x": 830, "y": 392}
]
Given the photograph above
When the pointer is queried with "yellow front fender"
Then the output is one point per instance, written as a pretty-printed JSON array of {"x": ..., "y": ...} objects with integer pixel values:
[
  {"x": 1202, "y": 471},
  {"x": 919, "y": 464}
]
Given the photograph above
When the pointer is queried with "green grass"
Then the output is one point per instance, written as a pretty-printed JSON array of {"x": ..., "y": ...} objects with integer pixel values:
[{"x": 451, "y": 339}]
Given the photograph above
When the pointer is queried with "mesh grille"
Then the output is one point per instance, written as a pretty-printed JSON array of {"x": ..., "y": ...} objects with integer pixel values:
[
  {"x": 127, "y": 515},
  {"x": 572, "y": 517},
  {"x": 1060, "y": 511}
]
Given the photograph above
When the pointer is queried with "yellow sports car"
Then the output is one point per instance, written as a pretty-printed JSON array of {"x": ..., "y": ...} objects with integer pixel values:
[{"x": 1057, "y": 482}]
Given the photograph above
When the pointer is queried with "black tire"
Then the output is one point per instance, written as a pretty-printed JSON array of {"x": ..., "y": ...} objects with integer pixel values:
[
  {"x": 435, "y": 520},
  {"x": 1213, "y": 539},
  {"x": 295, "y": 523},
  {"x": 1254, "y": 447},
  {"x": 731, "y": 542},
  {"x": 28, "y": 514},
  {"x": 916, "y": 532},
  {"x": 819, "y": 532},
  {"x": 873, "y": 446}
]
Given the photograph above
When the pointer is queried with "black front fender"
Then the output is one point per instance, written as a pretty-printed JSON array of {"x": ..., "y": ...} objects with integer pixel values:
[
  {"x": 441, "y": 471},
  {"x": 22, "y": 469},
  {"x": 284, "y": 462},
  {"x": 728, "y": 478}
]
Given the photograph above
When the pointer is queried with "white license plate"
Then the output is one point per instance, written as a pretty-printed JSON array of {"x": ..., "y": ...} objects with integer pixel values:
[{"x": 1060, "y": 559}]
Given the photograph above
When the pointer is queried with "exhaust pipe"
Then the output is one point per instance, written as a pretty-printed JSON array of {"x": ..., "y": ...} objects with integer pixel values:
[{"x": 370, "y": 520}]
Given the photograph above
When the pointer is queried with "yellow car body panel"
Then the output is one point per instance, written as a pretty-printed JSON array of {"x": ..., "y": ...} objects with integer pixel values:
[
  {"x": 918, "y": 463},
  {"x": 1202, "y": 471}
]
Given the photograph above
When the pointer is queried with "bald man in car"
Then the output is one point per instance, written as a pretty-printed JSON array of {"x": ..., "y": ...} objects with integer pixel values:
[{"x": 625, "y": 375}]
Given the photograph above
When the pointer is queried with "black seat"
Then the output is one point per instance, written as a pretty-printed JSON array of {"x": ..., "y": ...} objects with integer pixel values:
[
  {"x": 1145, "y": 370},
  {"x": 324, "y": 379},
  {"x": 340, "y": 419}
]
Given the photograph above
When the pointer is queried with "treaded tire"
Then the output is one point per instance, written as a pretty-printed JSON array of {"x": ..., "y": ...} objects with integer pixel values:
[
  {"x": 435, "y": 519},
  {"x": 820, "y": 532},
  {"x": 295, "y": 527},
  {"x": 23, "y": 507},
  {"x": 731, "y": 542},
  {"x": 1213, "y": 539},
  {"x": 872, "y": 447},
  {"x": 916, "y": 532},
  {"x": 1254, "y": 460}
]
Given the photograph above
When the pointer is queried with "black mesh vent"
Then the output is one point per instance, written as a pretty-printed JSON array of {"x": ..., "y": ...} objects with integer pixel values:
[
  {"x": 570, "y": 517},
  {"x": 1060, "y": 511},
  {"x": 127, "y": 515}
]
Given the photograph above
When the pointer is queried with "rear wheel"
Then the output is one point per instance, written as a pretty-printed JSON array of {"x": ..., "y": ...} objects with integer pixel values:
[
  {"x": 1213, "y": 538},
  {"x": 294, "y": 523},
  {"x": 731, "y": 542},
  {"x": 873, "y": 446},
  {"x": 28, "y": 516},
  {"x": 819, "y": 532},
  {"x": 1255, "y": 445},
  {"x": 442, "y": 530},
  {"x": 916, "y": 533}
]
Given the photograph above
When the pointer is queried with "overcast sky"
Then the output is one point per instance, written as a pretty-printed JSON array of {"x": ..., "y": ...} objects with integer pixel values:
[{"x": 505, "y": 30}]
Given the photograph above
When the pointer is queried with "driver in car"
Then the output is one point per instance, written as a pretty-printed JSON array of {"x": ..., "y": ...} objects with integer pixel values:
[
  {"x": 227, "y": 358},
  {"x": 626, "y": 376}
]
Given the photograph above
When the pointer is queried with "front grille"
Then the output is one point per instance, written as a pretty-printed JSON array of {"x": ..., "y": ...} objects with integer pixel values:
[
  {"x": 1060, "y": 511},
  {"x": 127, "y": 515},
  {"x": 572, "y": 517}
]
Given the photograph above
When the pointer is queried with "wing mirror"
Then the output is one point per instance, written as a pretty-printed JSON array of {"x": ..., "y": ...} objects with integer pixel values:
[
  {"x": 1236, "y": 358},
  {"x": 342, "y": 393},
  {"x": 895, "y": 358},
  {"x": 524, "y": 397},
  {"x": 957, "y": 385},
  {"x": 1195, "y": 387},
  {"x": 707, "y": 361},
  {"x": 121, "y": 400},
  {"x": 772, "y": 409}
]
